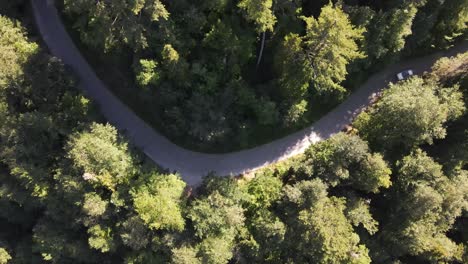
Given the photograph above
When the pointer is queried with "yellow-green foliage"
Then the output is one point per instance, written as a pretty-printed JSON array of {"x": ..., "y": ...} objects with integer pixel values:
[{"x": 159, "y": 202}]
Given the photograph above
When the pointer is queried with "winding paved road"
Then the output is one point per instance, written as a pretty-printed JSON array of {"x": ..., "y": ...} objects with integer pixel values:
[{"x": 193, "y": 165}]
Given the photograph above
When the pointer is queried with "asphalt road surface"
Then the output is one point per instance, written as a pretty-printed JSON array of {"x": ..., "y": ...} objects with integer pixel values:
[{"x": 191, "y": 165}]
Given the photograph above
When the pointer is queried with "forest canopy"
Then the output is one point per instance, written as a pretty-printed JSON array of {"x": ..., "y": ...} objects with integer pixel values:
[
  {"x": 226, "y": 74},
  {"x": 393, "y": 189}
]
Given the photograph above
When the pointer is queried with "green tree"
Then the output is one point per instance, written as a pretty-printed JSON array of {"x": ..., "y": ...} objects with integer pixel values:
[
  {"x": 329, "y": 46},
  {"x": 427, "y": 204},
  {"x": 147, "y": 73},
  {"x": 176, "y": 68},
  {"x": 218, "y": 220},
  {"x": 216, "y": 250},
  {"x": 424, "y": 22},
  {"x": 387, "y": 32},
  {"x": 320, "y": 57},
  {"x": 320, "y": 231},
  {"x": 185, "y": 255},
  {"x": 93, "y": 205},
  {"x": 347, "y": 158},
  {"x": 108, "y": 25},
  {"x": 101, "y": 156},
  {"x": 293, "y": 67},
  {"x": 263, "y": 191},
  {"x": 227, "y": 187},
  {"x": 216, "y": 215},
  {"x": 16, "y": 50},
  {"x": 410, "y": 113},
  {"x": 373, "y": 173},
  {"x": 143, "y": 257},
  {"x": 451, "y": 70},
  {"x": 260, "y": 12},
  {"x": 159, "y": 202},
  {"x": 269, "y": 232},
  {"x": 233, "y": 49},
  {"x": 56, "y": 244},
  {"x": 452, "y": 23},
  {"x": 30, "y": 144},
  {"x": 266, "y": 112},
  {"x": 101, "y": 238},
  {"x": 135, "y": 234},
  {"x": 358, "y": 213},
  {"x": 295, "y": 113}
]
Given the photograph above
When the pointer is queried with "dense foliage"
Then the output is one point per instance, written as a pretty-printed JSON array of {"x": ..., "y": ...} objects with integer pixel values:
[
  {"x": 73, "y": 190},
  {"x": 225, "y": 74}
]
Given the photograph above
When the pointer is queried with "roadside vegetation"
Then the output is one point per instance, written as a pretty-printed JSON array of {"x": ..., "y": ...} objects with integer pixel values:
[{"x": 74, "y": 190}]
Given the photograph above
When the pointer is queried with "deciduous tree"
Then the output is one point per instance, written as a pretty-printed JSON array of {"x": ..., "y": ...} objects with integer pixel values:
[
  {"x": 428, "y": 204},
  {"x": 159, "y": 202},
  {"x": 101, "y": 156},
  {"x": 410, "y": 113},
  {"x": 319, "y": 231},
  {"x": 347, "y": 158}
]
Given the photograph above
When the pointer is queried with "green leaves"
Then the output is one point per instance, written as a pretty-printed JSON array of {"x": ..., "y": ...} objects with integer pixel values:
[
  {"x": 358, "y": 213},
  {"x": 100, "y": 238},
  {"x": 218, "y": 221},
  {"x": 316, "y": 60},
  {"x": 410, "y": 113},
  {"x": 16, "y": 50},
  {"x": 260, "y": 12},
  {"x": 429, "y": 203},
  {"x": 346, "y": 158},
  {"x": 216, "y": 250},
  {"x": 159, "y": 202},
  {"x": 147, "y": 73},
  {"x": 329, "y": 45},
  {"x": 93, "y": 205},
  {"x": 101, "y": 156},
  {"x": 373, "y": 173},
  {"x": 387, "y": 33},
  {"x": 264, "y": 190},
  {"x": 216, "y": 215},
  {"x": 73, "y": 191},
  {"x": 157, "y": 10},
  {"x": 294, "y": 68},
  {"x": 451, "y": 24},
  {"x": 135, "y": 233},
  {"x": 321, "y": 233},
  {"x": 185, "y": 255},
  {"x": 109, "y": 25}
]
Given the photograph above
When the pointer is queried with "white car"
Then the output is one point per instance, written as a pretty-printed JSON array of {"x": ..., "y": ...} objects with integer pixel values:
[{"x": 405, "y": 74}]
